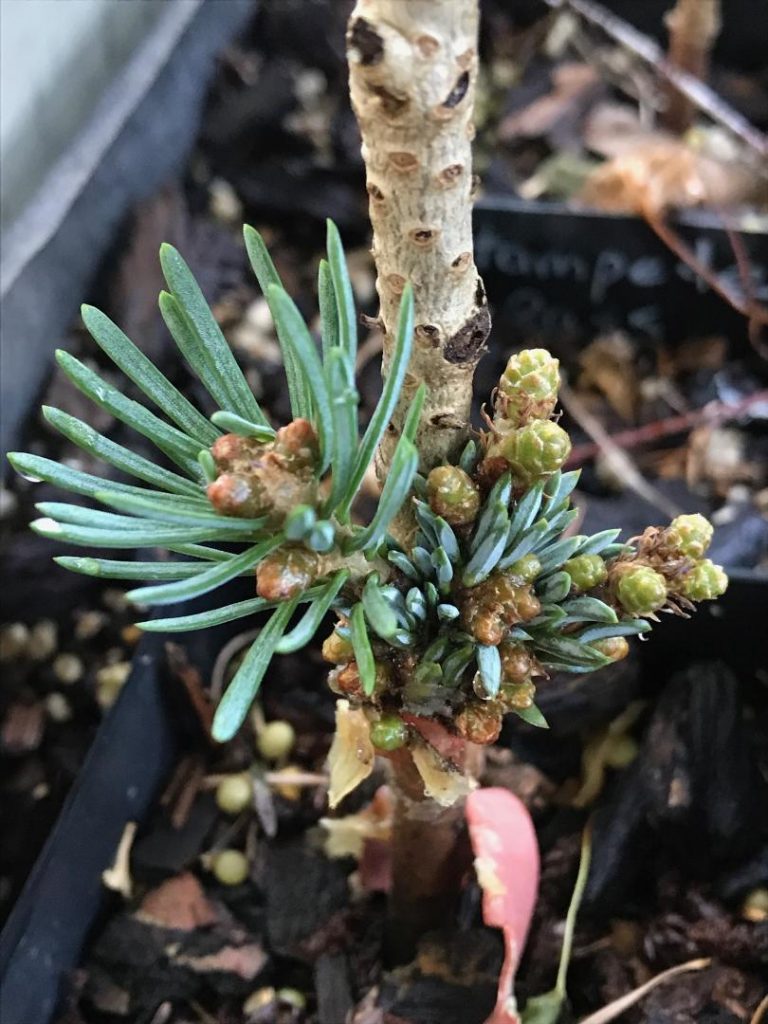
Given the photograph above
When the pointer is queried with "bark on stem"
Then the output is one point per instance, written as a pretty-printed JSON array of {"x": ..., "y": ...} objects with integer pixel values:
[
  {"x": 413, "y": 66},
  {"x": 412, "y": 70},
  {"x": 428, "y": 861}
]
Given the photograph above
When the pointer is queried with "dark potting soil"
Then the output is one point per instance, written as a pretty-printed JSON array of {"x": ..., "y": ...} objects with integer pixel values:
[{"x": 678, "y": 785}]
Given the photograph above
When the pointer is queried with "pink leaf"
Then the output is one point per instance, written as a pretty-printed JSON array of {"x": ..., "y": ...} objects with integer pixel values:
[{"x": 507, "y": 863}]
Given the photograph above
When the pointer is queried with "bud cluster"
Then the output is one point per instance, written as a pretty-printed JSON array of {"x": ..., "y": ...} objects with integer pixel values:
[
  {"x": 493, "y": 593},
  {"x": 668, "y": 570},
  {"x": 522, "y": 437},
  {"x": 257, "y": 478},
  {"x": 444, "y": 627}
]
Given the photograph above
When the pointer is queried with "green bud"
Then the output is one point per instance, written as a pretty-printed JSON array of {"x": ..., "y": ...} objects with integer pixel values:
[
  {"x": 389, "y": 733},
  {"x": 452, "y": 495},
  {"x": 525, "y": 569},
  {"x": 613, "y": 647},
  {"x": 338, "y": 649},
  {"x": 528, "y": 387},
  {"x": 517, "y": 696},
  {"x": 689, "y": 535},
  {"x": 704, "y": 582},
  {"x": 641, "y": 590},
  {"x": 586, "y": 571},
  {"x": 533, "y": 451}
]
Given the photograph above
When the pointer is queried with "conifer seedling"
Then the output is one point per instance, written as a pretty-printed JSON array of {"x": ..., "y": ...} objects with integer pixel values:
[{"x": 465, "y": 589}]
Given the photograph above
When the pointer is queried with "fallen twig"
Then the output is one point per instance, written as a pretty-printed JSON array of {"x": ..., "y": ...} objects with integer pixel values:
[
  {"x": 618, "y": 1006},
  {"x": 279, "y": 778},
  {"x": 759, "y": 1015},
  {"x": 696, "y": 91},
  {"x": 118, "y": 876},
  {"x": 712, "y": 413},
  {"x": 225, "y": 656},
  {"x": 617, "y": 459}
]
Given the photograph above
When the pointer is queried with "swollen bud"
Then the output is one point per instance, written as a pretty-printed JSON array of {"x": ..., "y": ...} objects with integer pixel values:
[
  {"x": 641, "y": 590},
  {"x": 516, "y": 663},
  {"x": 517, "y": 696},
  {"x": 337, "y": 649},
  {"x": 704, "y": 582},
  {"x": 533, "y": 451},
  {"x": 229, "y": 450},
  {"x": 689, "y": 535},
  {"x": 243, "y": 496},
  {"x": 528, "y": 387},
  {"x": 297, "y": 446},
  {"x": 613, "y": 647},
  {"x": 525, "y": 569},
  {"x": 452, "y": 495},
  {"x": 586, "y": 571},
  {"x": 389, "y": 733},
  {"x": 490, "y": 608},
  {"x": 285, "y": 573},
  {"x": 479, "y": 722}
]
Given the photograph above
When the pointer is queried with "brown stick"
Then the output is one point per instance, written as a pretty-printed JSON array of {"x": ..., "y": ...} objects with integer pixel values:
[
  {"x": 704, "y": 98},
  {"x": 693, "y": 26},
  {"x": 621, "y": 464},
  {"x": 712, "y": 413},
  {"x": 412, "y": 72}
]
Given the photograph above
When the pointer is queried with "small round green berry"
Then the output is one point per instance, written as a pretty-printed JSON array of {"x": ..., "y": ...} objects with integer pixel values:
[
  {"x": 230, "y": 867},
  {"x": 641, "y": 590},
  {"x": 452, "y": 495},
  {"x": 389, "y": 733},
  {"x": 528, "y": 387},
  {"x": 704, "y": 582},
  {"x": 234, "y": 793},
  {"x": 275, "y": 740},
  {"x": 526, "y": 569},
  {"x": 533, "y": 451},
  {"x": 586, "y": 571},
  {"x": 689, "y": 535}
]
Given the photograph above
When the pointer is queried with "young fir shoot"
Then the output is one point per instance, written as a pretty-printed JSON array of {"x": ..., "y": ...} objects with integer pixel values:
[{"x": 490, "y": 593}]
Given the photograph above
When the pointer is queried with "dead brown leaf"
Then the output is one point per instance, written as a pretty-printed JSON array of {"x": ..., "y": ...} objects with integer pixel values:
[
  {"x": 608, "y": 366},
  {"x": 179, "y": 903},
  {"x": 573, "y": 86}
]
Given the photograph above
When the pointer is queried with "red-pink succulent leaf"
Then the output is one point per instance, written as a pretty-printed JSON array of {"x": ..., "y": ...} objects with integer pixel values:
[{"x": 507, "y": 863}]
